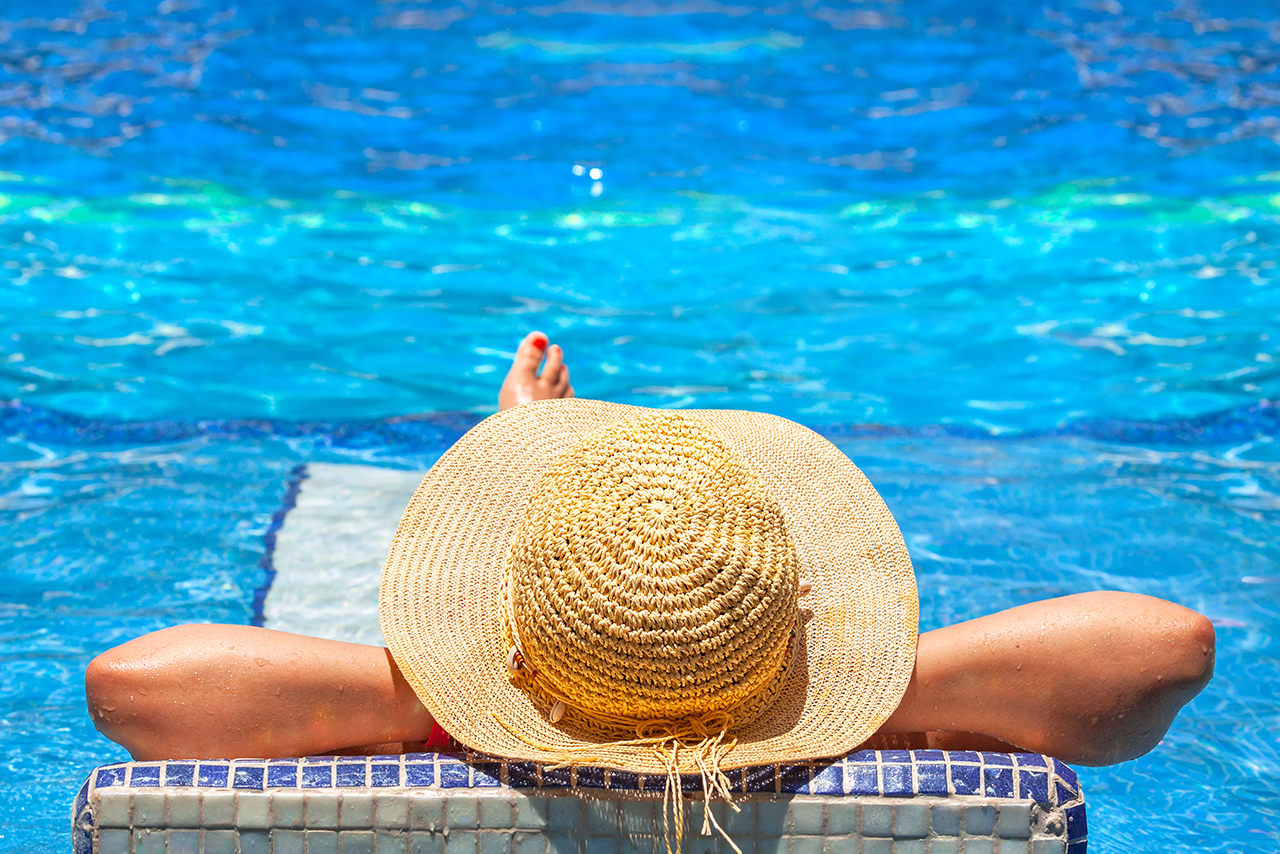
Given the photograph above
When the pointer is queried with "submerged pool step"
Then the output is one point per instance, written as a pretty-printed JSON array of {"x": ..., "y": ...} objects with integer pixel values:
[{"x": 870, "y": 802}]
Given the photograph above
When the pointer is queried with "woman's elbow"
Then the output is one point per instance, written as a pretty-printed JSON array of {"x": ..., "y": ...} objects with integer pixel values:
[{"x": 117, "y": 702}]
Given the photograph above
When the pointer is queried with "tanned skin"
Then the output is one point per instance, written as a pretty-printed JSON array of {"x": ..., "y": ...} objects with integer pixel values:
[{"x": 1093, "y": 679}]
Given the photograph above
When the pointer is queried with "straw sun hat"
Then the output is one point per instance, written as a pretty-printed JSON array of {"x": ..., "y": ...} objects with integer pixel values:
[{"x": 651, "y": 580}]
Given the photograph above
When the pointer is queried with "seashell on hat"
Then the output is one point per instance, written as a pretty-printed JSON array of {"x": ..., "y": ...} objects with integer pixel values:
[{"x": 573, "y": 573}]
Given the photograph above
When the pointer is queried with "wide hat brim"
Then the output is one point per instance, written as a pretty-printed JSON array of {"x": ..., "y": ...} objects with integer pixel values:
[{"x": 440, "y": 602}]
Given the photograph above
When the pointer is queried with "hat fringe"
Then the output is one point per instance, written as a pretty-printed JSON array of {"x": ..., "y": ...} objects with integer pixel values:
[{"x": 706, "y": 736}]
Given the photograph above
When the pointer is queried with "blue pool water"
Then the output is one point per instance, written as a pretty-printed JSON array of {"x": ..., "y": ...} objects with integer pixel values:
[{"x": 1018, "y": 260}]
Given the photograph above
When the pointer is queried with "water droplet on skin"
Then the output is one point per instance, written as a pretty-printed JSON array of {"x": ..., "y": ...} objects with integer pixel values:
[{"x": 261, "y": 662}]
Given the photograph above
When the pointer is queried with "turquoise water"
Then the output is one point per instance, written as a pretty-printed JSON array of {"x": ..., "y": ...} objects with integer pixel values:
[{"x": 1019, "y": 262}]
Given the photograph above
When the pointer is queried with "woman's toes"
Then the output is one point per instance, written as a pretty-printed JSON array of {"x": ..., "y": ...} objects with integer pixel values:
[
  {"x": 529, "y": 354},
  {"x": 554, "y": 366},
  {"x": 561, "y": 388}
]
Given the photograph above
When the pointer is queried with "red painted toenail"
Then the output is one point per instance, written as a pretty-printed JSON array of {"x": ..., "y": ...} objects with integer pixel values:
[{"x": 539, "y": 343}]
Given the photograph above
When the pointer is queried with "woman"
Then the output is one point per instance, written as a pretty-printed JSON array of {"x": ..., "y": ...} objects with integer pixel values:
[{"x": 1094, "y": 678}]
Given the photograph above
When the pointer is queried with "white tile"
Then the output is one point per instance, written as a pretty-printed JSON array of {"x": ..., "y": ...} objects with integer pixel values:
[
  {"x": 148, "y": 809},
  {"x": 113, "y": 841},
  {"x": 426, "y": 843},
  {"x": 322, "y": 842},
  {"x": 356, "y": 842},
  {"x": 461, "y": 842},
  {"x": 496, "y": 811},
  {"x": 256, "y": 842},
  {"x": 391, "y": 810},
  {"x": 1014, "y": 821},
  {"x": 946, "y": 819},
  {"x": 391, "y": 843},
  {"x": 286, "y": 810},
  {"x": 531, "y": 812},
  {"x": 219, "y": 842},
  {"x": 286, "y": 842},
  {"x": 806, "y": 816},
  {"x": 979, "y": 821},
  {"x": 842, "y": 817},
  {"x": 461, "y": 811},
  {"x": 184, "y": 808},
  {"x": 322, "y": 810},
  {"x": 219, "y": 809},
  {"x": 113, "y": 809},
  {"x": 910, "y": 821},
  {"x": 426, "y": 811},
  {"x": 253, "y": 811},
  {"x": 877, "y": 820},
  {"x": 356, "y": 810},
  {"x": 184, "y": 842}
]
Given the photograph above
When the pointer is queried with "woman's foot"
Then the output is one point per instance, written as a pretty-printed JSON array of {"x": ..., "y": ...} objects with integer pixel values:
[{"x": 524, "y": 383}]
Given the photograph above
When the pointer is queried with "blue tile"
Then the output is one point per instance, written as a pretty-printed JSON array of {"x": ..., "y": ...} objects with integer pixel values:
[
  {"x": 1068, "y": 776},
  {"x": 486, "y": 774},
  {"x": 690, "y": 783},
  {"x": 145, "y": 775},
  {"x": 862, "y": 756},
  {"x": 966, "y": 779},
  {"x": 997, "y": 759},
  {"x": 454, "y": 775},
  {"x": 555, "y": 779},
  {"x": 362, "y": 760},
  {"x": 317, "y": 776},
  {"x": 624, "y": 781},
  {"x": 421, "y": 757},
  {"x": 214, "y": 776},
  {"x": 761, "y": 778},
  {"x": 522, "y": 775},
  {"x": 591, "y": 777},
  {"x": 932, "y": 778},
  {"x": 282, "y": 775},
  {"x": 895, "y": 756},
  {"x": 248, "y": 777},
  {"x": 1077, "y": 825},
  {"x": 930, "y": 755},
  {"x": 737, "y": 780},
  {"x": 383, "y": 774},
  {"x": 1080, "y": 847},
  {"x": 997, "y": 782},
  {"x": 313, "y": 760},
  {"x": 1033, "y": 785},
  {"x": 113, "y": 776},
  {"x": 351, "y": 775},
  {"x": 419, "y": 774},
  {"x": 828, "y": 780},
  {"x": 386, "y": 757},
  {"x": 1063, "y": 794},
  {"x": 1029, "y": 760},
  {"x": 964, "y": 756},
  {"x": 179, "y": 774},
  {"x": 896, "y": 779},
  {"x": 795, "y": 779},
  {"x": 861, "y": 778},
  {"x": 653, "y": 783}
]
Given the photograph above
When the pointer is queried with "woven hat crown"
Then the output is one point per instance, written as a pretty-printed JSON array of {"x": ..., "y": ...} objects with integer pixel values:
[{"x": 652, "y": 576}]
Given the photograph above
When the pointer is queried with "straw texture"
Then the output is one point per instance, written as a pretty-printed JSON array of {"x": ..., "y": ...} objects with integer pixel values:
[{"x": 591, "y": 534}]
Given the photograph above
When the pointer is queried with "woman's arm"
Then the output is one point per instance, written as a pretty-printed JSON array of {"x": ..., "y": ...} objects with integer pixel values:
[
  {"x": 211, "y": 691},
  {"x": 1095, "y": 678}
]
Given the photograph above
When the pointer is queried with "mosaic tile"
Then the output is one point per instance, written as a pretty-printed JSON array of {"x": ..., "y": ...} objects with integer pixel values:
[
  {"x": 793, "y": 779},
  {"x": 217, "y": 809},
  {"x": 522, "y": 775},
  {"x": 555, "y": 778},
  {"x": 893, "y": 755},
  {"x": 486, "y": 774},
  {"x": 997, "y": 759},
  {"x": 861, "y": 778},
  {"x": 1080, "y": 847},
  {"x": 964, "y": 756},
  {"x": 144, "y": 775},
  {"x": 895, "y": 779},
  {"x": 966, "y": 779},
  {"x": 1068, "y": 776},
  {"x": 419, "y": 774},
  {"x": 255, "y": 842},
  {"x": 997, "y": 782},
  {"x": 1048, "y": 846},
  {"x": 454, "y": 775},
  {"x": 214, "y": 776},
  {"x": 1077, "y": 825},
  {"x": 931, "y": 779},
  {"x": 909, "y": 846},
  {"x": 317, "y": 776},
  {"x": 383, "y": 774},
  {"x": 1014, "y": 821},
  {"x": 282, "y": 775},
  {"x": 321, "y": 810},
  {"x": 806, "y": 817},
  {"x": 625, "y": 780},
  {"x": 356, "y": 810},
  {"x": 929, "y": 755},
  {"x": 945, "y": 819},
  {"x": 348, "y": 775},
  {"x": 944, "y": 846},
  {"x": 591, "y": 778},
  {"x": 910, "y": 821},
  {"x": 760, "y": 779},
  {"x": 979, "y": 846},
  {"x": 979, "y": 821},
  {"x": 842, "y": 817},
  {"x": 828, "y": 780},
  {"x": 113, "y": 775},
  {"x": 877, "y": 846},
  {"x": 356, "y": 841},
  {"x": 248, "y": 777},
  {"x": 1029, "y": 760},
  {"x": 1033, "y": 786},
  {"x": 253, "y": 812},
  {"x": 877, "y": 820},
  {"x": 183, "y": 842}
]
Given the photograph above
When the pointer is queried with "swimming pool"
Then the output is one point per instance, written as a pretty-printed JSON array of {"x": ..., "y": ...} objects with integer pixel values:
[{"x": 1019, "y": 263}]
